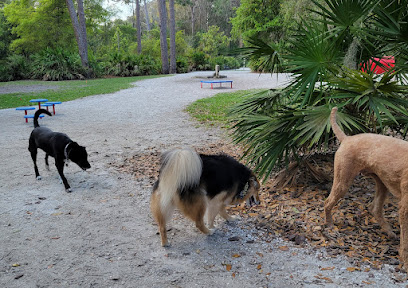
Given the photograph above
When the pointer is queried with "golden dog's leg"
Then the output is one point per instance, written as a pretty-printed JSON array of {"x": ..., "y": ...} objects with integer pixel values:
[
  {"x": 343, "y": 177},
  {"x": 160, "y": 217},
  {"x": 377, "y": 206},
  {"x": 403, "y": 219}
]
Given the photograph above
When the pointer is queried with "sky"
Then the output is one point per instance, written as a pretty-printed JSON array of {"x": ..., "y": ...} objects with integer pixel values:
[{"x": 124, "y": 10}]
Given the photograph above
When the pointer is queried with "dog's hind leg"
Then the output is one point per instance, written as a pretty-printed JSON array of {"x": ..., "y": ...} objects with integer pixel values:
[
  {"x": 377, "y": 206},
  {"x": 46, "y": 162},
  {"x": 33, "y": 151},
  {"x": 161, "y": 215},
  {"x": 403, "y": 220},
  {"x": 343, "y": 177}
]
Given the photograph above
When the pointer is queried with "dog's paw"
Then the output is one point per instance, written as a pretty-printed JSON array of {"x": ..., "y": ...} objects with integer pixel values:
[
  {"x": 68, "y": 190},
  {"x": 211, "y": 231},
  {"x": 39, "y": 177}
]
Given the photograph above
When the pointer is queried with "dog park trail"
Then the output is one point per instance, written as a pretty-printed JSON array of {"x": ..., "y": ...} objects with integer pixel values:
[{"x": 102, "y": 234}]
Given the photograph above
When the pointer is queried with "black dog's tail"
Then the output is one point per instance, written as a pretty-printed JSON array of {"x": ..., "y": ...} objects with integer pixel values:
[{"x": 37, "y": 114}]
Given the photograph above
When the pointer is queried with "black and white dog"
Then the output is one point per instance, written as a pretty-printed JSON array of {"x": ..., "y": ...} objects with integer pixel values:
[{"x": 57, "y": 145}]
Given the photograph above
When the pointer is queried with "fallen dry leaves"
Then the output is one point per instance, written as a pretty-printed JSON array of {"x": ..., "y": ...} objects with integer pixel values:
[{"x": 297, "y": 214}]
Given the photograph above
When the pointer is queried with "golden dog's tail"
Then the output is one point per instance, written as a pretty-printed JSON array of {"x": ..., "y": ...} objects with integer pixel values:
[
  {"x": 336, "y": 128},
  {"x": 181, "y": 169}
]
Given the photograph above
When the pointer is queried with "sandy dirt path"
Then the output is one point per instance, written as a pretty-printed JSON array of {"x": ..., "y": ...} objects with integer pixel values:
[{"x": 102, "y": 234}]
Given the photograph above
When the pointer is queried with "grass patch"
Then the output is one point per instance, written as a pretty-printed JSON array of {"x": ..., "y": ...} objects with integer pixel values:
[
  {"x": 66, "y": 90},
  {"x": 213, "y": 111}
]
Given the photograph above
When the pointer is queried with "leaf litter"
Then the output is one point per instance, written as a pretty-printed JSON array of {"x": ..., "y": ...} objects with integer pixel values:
[{"x": 295, "y": 212}]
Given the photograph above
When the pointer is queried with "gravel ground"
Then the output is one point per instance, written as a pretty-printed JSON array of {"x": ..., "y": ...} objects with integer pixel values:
[{"x": 102, "y": 234}]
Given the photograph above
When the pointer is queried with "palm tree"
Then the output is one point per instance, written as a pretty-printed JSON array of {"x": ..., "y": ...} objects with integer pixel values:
[{"x": 280, "y": 126}]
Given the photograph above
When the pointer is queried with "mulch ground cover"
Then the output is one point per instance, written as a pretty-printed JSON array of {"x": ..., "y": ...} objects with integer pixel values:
[{"x": 296, "y": 212}]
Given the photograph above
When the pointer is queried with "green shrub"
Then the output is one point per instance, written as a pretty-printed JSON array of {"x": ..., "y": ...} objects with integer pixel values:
[
  {"x": 225, "y": 62},
  {"x": 233, "y": 62},
  {"x": 16, "y": 67},
  {"x": 5, "y": 74},
  {"x": 182, "y": 64},
  {"x": 198, "y": 60},
  {"x": 131, "y": 65},
  {"x": 57, "y": 64}
]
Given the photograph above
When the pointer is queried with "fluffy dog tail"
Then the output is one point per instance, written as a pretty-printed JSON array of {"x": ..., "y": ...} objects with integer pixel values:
[
  {"x": 37, "y": 114},
  {"x": 336, "y": 129},
  {"x": 181, "y": 169}
]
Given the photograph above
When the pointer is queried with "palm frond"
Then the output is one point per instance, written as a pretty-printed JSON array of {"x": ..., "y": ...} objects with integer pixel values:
[
  {"x": 344, "y": 14},
  {"x": 266, "y": 101},
  {"x": 379, "y": 95},
  {"x": 268, "y": 140},
  {"x": 391, "y": 27},
  {"x": 268, "y": 56},
  {"x": 311, "y": 60}
]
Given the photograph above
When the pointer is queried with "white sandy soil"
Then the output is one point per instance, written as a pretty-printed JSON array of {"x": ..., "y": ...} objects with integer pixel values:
[{"x": 102, "y": 234}]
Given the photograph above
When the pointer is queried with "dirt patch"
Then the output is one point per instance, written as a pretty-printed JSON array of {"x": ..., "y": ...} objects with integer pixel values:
[
  {"x": 102, "y": 234},
  {"x": 296, "y": 213}
]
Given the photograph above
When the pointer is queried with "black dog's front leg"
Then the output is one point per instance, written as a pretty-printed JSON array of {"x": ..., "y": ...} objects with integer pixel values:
[{"x": 60, "y": 168}]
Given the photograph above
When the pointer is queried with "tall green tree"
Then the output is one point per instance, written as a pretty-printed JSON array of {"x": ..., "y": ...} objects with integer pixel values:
[
  {"x": 213, "y": 41},
  {"x": 39, "y": 25},
  {"x": 5, "y": 35},
  {"x": 257, "y": 18}
]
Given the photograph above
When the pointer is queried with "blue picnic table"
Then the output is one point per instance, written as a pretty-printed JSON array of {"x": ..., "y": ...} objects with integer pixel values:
[{"x": 215, "y": 81}]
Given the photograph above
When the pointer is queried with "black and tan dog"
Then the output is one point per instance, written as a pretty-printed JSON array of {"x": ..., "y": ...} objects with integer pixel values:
[
  {"x": 57, "y": 145},
  {"x": 196, "y": 184}
]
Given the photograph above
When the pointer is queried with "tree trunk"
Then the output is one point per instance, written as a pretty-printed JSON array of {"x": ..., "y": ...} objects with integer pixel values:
[
  {"x": 350, "y": 59},
  {"x": 80, "y": 31},
  {"x": 147, "y": 17},
  {"x": 192, "y": 18},
  {"x": 139, "y": 28},
  {"x": 163, "y": 35},
  {"x": 173, "y": 64}
]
